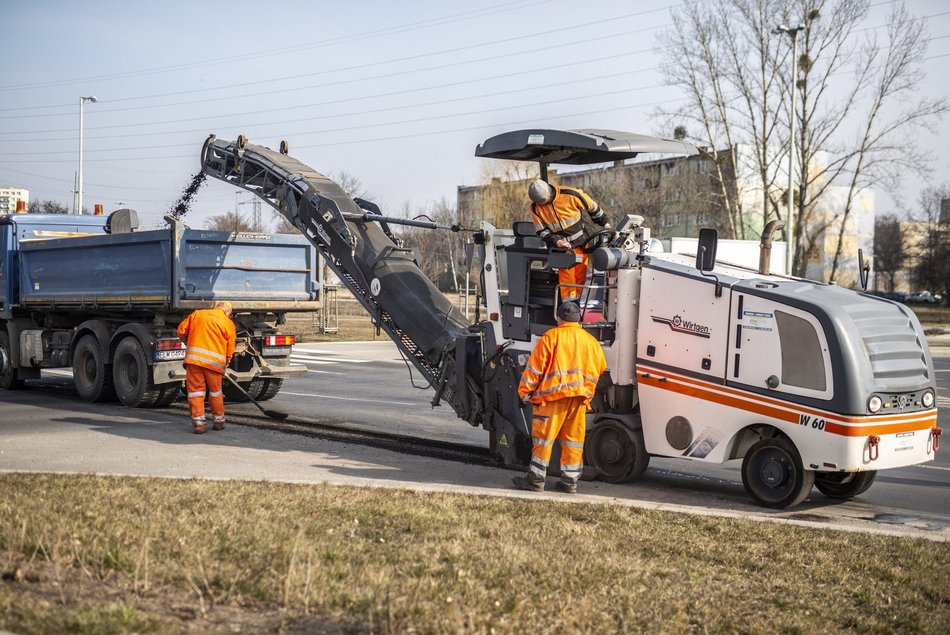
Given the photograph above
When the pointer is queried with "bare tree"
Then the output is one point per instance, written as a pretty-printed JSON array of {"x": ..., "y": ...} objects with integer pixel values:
[
  {"x": 721, "y": 54},
  {"x": 733, "y": 71},
  {"x": 890, "y": 73},
  {"x": 931, "y": 268},
  {"x": 46, "y": 207},
  {"x": 503, "y": 196},
  {"x": 889, "y": 254},
  {"x": 230, "y": 222},
  {"x": 441, "y": 251}
]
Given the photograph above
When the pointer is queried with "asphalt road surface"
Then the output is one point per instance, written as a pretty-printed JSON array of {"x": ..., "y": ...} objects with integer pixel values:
[
  {"x": 377, "y": 394},
  {"x": 368, "y": 385}
]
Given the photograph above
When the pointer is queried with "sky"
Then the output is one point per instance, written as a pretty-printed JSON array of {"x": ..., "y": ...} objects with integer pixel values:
[{"x": 395, "y": 94}]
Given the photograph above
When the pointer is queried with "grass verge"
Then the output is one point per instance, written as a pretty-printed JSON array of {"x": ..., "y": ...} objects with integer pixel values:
[{"x": 114, "y": 555}]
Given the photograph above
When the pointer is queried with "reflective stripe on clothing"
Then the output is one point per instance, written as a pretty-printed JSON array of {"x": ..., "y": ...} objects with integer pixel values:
[
  {"x": 563, "y": 420},
  {"x": 566, "y": 362},
  {"x": 199, "y": 381},
  {"x": 562, "y": 216},
  {"x": 210, "y": 335}
]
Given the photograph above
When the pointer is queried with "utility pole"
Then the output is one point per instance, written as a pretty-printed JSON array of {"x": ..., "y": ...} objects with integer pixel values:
[
  {"x": 790, "y": 214},
  {"x": 82, "y": 100}
]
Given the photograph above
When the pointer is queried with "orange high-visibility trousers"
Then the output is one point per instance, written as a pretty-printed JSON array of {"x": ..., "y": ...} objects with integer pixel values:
[
  {"x": 576, "y": 275},
  {"x": 199, "y": 381},
  {"x": 564, "y": 420}
]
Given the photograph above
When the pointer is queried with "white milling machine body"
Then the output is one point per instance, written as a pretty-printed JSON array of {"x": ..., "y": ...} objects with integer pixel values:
[{"x": 805, "y": 383}]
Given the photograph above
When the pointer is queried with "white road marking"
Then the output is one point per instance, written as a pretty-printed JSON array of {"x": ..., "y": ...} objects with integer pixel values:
[
  {"x": 310, "y": 361},
  {"x": 304, "y": 394},
  {"x": 322, "y": 372},
  {"x": 934, "y": 467},
  {"x": 317, "y": 359}
]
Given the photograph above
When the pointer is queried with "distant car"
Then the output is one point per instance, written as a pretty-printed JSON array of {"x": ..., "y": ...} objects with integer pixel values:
[
  {"x": 922, "y": 297},
  {"x": 897, "y": 296}
]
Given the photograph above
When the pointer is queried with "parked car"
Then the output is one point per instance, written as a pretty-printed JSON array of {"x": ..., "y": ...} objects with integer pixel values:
[
  {"x": 922, "y": 297},
  {"x": 897, "y": 296}
]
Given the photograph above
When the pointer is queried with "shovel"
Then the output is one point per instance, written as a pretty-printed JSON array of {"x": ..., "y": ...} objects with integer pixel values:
[{"x": 273, "y": 414}]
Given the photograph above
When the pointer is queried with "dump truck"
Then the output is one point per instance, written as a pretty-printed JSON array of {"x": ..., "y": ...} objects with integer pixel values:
[
  {"x": 93, "y": 294},
  {"x": 804, "y": 383}
]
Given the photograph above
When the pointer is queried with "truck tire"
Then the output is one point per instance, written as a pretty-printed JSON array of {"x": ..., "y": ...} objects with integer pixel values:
[
  {"x": 91, "y": 374},
  {"x": 8, "y": 375},
  {"x": 132, "y": 377},
  {"x": 271, "y": 388},
  {"x": 773, "y": 474},
  {"x": 168, "y": 396},
  {"x": 844, "y": 486},
  {"x": 233, "y": 395},
  {"x": 618, "y": 452}
]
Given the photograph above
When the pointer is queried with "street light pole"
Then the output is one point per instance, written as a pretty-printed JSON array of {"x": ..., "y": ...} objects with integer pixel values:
[
  {"x": 82, "y": 100},
  {"x": 790, "y": 213}
]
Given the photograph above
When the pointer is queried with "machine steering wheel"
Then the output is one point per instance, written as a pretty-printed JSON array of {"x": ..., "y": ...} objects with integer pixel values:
[{"x": 596, "y": 240}]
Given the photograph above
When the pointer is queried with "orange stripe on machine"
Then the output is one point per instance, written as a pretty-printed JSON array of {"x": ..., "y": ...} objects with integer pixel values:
[{"x": 835, "y": 423}]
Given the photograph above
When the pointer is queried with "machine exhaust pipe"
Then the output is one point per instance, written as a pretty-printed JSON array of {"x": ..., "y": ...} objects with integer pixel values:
[{"x": 765, "y": 246}]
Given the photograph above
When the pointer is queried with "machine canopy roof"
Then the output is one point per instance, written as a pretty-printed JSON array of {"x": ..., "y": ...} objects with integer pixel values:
[{"x": 576, "y": 147}]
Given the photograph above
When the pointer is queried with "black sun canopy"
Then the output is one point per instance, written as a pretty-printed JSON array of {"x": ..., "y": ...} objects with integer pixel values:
[{"x": 576, "y": 147}]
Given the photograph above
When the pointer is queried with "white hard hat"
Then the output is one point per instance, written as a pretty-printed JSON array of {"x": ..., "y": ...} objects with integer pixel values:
[{"x": 540, "y": 192}]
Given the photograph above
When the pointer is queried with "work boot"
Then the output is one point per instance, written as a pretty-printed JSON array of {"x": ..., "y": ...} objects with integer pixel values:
[
  {"x": 567, "y": 488},
  {"x": 530, "y": 482},
  {"x": 218, "y": 423},
  {"x": 198, "y": 425}
]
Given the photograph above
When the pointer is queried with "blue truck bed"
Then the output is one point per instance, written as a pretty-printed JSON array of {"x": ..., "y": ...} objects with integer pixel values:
[{"x": 174, "y": 268}]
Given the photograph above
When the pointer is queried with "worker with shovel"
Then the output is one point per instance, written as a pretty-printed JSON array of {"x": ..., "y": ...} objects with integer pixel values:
[{"x": 209, "y": 335}]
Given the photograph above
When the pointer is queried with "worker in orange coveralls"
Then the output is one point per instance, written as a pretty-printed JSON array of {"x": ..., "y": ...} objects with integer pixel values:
[
  {"x": 560, "y": 379},
  {"x": 557, "y": 219},
  {"x": 209, "y": 334}
]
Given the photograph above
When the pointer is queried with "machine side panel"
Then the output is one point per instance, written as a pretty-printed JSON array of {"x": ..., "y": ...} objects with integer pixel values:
[{"x": 682, "y": 323}]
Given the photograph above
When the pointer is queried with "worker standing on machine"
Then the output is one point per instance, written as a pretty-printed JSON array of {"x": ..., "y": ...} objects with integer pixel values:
[
  {"x": 209, "y": 335},
  {"x": 560, "y": 378},
  {"x": 557, "y": 219}
]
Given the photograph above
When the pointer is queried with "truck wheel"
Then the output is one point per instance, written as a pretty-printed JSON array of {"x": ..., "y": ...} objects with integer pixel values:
[
  {"x": 844, "y": 485},
  {"x": 168, "y": 396},
  {"x": 131, "y": 375},
  {"x": 91, "y": 374},
  {"x": 270, "y": 390},
  {"x": 8, "y": 378},
  {"x": 773, "y": 474},
  {"x": 618, "y": 452},
  {"x": 234, "y": 395}
]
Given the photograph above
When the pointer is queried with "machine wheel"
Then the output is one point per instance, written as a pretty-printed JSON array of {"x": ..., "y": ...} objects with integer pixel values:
[
  {"x": 773, "y": 474},
  {"x": 620, "y": 454},
  {"x": 91, "y": 374},
  {"x": 270, "y": 390},
  {"x": 131, "y": 375},
  {"x": 844, "y": 485},
  {"x": 168, "y": 395},
  {"x": 8, "y": 378}
]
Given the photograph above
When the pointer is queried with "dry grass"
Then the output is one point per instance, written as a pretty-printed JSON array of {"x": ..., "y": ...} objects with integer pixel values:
[{"x": 101, "y": 554}]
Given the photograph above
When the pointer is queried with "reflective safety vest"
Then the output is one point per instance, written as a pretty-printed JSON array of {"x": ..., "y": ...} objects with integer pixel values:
[
  {"x": 562, "y": 217},
  {"x": 209, "y": 334},
  {"x": 566, "y": 362}
]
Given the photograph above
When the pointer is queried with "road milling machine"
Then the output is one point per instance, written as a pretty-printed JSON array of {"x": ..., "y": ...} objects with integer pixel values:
[{"x": 806, "y": 384}]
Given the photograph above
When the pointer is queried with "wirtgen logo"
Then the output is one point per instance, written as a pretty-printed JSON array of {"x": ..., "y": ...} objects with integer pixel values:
[{"x": 678, "y": 324}]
